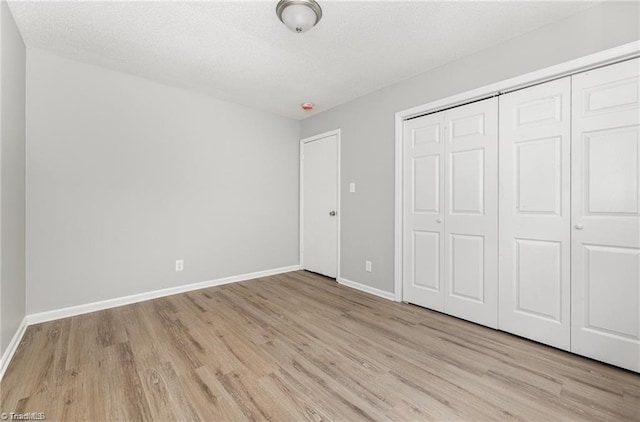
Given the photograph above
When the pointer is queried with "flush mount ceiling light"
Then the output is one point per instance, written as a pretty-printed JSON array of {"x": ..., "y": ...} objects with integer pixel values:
[{"x": 299, "y": 15}]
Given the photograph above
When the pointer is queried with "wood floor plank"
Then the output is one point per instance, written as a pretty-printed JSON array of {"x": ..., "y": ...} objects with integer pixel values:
[
  {"x": 300, "y": 347},
  {"x": 212, "y": 400}
]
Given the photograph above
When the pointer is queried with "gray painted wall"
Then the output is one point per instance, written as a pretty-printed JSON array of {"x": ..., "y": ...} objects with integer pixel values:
[
  {"x": 367, "y": 123},
  {"x": 124, "y": 176},
  {"x": 12, "y": 177}
]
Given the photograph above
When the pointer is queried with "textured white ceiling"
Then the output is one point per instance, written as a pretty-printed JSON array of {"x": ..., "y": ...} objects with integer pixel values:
[{"x": 239, "y": 51}]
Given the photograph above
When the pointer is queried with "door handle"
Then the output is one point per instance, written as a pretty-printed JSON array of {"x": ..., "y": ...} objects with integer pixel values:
[
  {"x": 579, "y": 226},
  {"x": 439, "y": 220},
  {"x": 332, "y": 213}
]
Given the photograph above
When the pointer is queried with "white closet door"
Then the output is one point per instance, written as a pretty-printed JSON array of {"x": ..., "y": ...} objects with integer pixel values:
[
  {"x": 423, "y": 258},
  {"x": 471, "y": 212},
  {"x": 535, "y": 166},
  {"x": 605, "y": 251}
]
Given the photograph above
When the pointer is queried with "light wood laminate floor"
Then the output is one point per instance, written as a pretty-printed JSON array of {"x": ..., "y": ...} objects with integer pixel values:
[{"x": 299, "y": 346}]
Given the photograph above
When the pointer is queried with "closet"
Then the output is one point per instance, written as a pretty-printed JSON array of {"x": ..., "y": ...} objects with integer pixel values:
[
  {"x": 522, "y": 212},
  {"x": 535, "y": 212},
  {"x": 451, "y": 211},
  {"x": 605, "y": 210}
]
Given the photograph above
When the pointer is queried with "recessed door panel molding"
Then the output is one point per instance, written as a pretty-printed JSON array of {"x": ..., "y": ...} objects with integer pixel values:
[
  {"x": 605, "y": 258},
  {"x": 426, "y": 134},
  {"x": 539, "y": 111},
  {"x": 467, "y": 126},
  {"x": 611, "y": 97},
  {"x": 467, "y": 267},
  {"x": 538, "y": 279},
  {"x": 471, "y": 212},
  {"x": 466, "y": 173},
  {"x": 426, "y": 260},
  {"x": 611, "y": 165},
  {"x": 426, "y": 184},
  {"x": 423, "y": 196},
  {"x": 538, "y": 173},
  {"x": 611, "y": 275},
  {"x": 534, "y": 264}
]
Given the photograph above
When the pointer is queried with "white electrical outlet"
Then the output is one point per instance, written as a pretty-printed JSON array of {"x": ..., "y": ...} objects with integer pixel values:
[
  {"x": 367, "y": 266},
  {"x": 352, "y": 187},
  {"x": 179, "y": 264}
]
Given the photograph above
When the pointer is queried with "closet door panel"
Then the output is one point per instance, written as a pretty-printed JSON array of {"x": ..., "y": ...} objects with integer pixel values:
[
  {"x": 534, "y": 264},
  {"x": 605, "y": 259},
  {"x": 423, "y": 196},
  {"x": 471, "y": 214}
]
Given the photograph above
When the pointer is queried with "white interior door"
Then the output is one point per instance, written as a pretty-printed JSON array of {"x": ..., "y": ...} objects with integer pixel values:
[
  {"x": 605, "y": 254},
  {"x": 535, "y": 201},
  {"x": 423, "y": 226},
  {"x": 320, "y": 205},
  {"x": 471, "y": 212}
]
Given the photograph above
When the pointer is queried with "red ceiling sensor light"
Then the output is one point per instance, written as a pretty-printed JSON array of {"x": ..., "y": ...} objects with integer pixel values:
[{"x": 307, "y": 106}]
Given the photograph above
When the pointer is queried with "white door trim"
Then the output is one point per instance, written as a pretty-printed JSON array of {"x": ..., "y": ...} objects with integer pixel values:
[
  {"x": 303, "y": 141},
  {"x": 623, "y": 52}
]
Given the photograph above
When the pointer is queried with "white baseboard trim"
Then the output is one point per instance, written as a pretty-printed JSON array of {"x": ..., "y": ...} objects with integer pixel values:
[
  {"x": 367, "y": 289},
  {"x": 13, "y": 346},
  {"x": 141, "y": 297}
]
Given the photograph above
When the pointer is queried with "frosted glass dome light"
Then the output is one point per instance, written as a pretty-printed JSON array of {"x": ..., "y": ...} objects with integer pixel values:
[{"x": 299, "y": 15}]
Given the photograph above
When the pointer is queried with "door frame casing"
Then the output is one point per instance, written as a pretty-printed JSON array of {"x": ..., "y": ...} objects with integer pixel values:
[
  {"x": 602, "y": 58},
  {"x": 303, "y": 141}
]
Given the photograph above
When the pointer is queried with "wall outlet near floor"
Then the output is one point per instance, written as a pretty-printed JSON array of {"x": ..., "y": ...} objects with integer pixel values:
[
  {"x": 179, "y": 264},
  {"x": 367, "y": 266}
]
